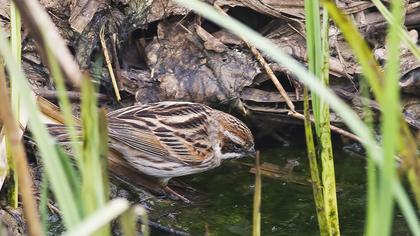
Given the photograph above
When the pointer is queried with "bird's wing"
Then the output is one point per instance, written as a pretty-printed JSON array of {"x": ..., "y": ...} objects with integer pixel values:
[{"x": 164, "y": 131}]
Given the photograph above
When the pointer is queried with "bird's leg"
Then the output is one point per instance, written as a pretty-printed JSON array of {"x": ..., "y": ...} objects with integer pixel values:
[
  {"x": 173, "y": 192},
  {"x": 164, "y": 183}
]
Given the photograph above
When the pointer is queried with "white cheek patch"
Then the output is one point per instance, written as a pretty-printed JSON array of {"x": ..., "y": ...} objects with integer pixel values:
[
  {"x": 233, "y": 137},
  {"x": 224, "y": 156},
  {"x": 231, "y": 155}
]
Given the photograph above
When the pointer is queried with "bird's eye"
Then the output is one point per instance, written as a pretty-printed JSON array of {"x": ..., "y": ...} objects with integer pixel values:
[{"x": 237, "y": 146}]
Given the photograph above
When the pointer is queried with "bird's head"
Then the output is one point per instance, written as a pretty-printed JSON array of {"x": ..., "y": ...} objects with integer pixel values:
[{"x": 236, "y": 139}]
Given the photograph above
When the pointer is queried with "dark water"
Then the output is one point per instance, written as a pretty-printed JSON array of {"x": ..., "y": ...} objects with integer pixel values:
[
  {"x": 224, "y": 205},
  {"x": 287, "y": 207}
]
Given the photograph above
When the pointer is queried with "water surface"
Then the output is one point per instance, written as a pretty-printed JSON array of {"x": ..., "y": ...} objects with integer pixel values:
[{"x": 287, "y": 207}]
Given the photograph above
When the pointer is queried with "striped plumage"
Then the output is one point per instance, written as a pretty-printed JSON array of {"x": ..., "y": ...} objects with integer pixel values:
[{"x": 169, "y": 139}]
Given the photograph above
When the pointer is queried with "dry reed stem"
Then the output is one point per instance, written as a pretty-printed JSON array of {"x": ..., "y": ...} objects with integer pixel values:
[
  {"x": 109, "y": 64},
  {"x": 256, "y": 218},
  {"x": 18, "y": 152},
  {"x": 52, "y": 111},
  {"x": 115, "y": 56}
]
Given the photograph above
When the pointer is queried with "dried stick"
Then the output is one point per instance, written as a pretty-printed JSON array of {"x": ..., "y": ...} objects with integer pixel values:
[
  {"x": 18, "y": 152},
  {"x": 266, "y": 67},
  {"x": 116, "y": 62},
  {"x": 109, "y": 64},
  {"x": 332, "y": 127},
  {"x": 270, "y": 73},
  {"x": 72, "y": 95}
]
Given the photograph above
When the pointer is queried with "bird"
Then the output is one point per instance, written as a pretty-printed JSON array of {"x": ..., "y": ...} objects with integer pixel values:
[{"x": 171, "y": 139}]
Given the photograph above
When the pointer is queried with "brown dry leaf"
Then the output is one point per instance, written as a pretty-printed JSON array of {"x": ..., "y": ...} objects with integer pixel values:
[
  {"x": 82, "y": 12},
  {"x": 227, "y": 37},
  {"x": 160, "y": 9},
  {"x": 185, "y": 70},
  {"x": 210, "y": 42},
  {"x": 273, "y": 8},
  {"x": 56, "y": 6}
]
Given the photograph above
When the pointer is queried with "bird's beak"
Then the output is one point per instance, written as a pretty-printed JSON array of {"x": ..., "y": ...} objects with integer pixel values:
[{"x": 252, "y": 152}]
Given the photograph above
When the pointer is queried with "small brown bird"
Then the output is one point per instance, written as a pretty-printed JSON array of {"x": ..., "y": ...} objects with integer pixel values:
[{"x": 170, "y": 139}]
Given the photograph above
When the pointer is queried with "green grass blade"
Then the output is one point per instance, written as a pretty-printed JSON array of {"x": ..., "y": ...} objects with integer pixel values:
[
  {"x": 128, "y": 221},
  {"x": 371, "y": 70},
  {"x": 43, "y": 202},
  {"x": 103, "y": 150},
  {"x": 140, "y": 211},
  {"x": 314, "y": 167},
  {"x": 390, "y": 119},
  {"x": 371, "y": 227},
  {"x": 410, "y": 154},
  {"x": 16, "y": 44},
  {"x": 100, "y": 218},
  {"x": 59, "y": 182},
  {"x": 89, "y": 118},
  {"x": 318, "y": 57},
  {"x": 11, "y": 188},
  {"x": 327, "y": 159},
  {"x": 73, "y": 177},
  {"x": 402, "y": 33},
  {"x": 93, "y": 189},
  {"x": 314, "y": 51},
  {"x": 381, "y": 85},
  {"x": 93, "y": 182},
  {"x": 349, "y": 117},
  {"x": 65, "y": 106},
  {"x": 406, "y": 207}
]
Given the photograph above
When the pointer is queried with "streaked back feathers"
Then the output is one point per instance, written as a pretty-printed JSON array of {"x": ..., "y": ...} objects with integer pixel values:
[{"x": 168, "y": 139}]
